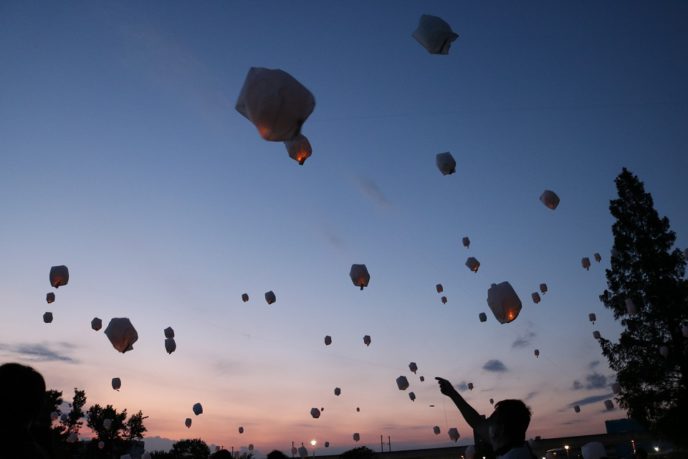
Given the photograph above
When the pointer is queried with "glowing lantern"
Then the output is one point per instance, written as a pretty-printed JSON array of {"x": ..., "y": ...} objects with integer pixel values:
[
  {"x": 402, "y": 383},
  {"x": 592, "y": 317},
  {"x": 197, "y": 409},
  {"x": 439, "y": 288},
  {"x": 466, "y": 242},
  {"x": 436, "y": 430},
  {"x": 585, "y": 262},
  {"x": 543, "y": 288},
  {"x": 107, "y": 423},
  {"x": 491, "y": 401},
  {"x": 453, "y": 434},
  {"x": 170, "y": 345},
  {"x": 101, "y": 444},
  {"x": 187, "y": 422},
  {"x": 121, "y": 334},
  {"x": 337, "y": 391},
  {"x": 470, "y": 386},
  {"x": 328, "y": 340},
  {"x": 422, "y": 378},
  {"x": 616, "y": 388},
  {"x": 473, "y": 264},
  {"x": 445, "y": 163},
  {"x": 366, "y": 340},
  {"x": 664, "y": 351},
  {"x": 536, "y": 297},
  {"x": 482, "y": 316},
  {"x": 327, "y": 444},
  {"x": 59, "y": 276},
  {"x": 596, "y": 335},
  {"x": 270, "y": 297},
  {"x": 96, "y": 324},
  {"x": 609, "y": 404},
  {"x": 315, "y": 413},
  {"x": 275, "y": 102},
  {"x": 413, "y": 367},
  {"x": 503, "y": 302},
  {"x": 537, "y": 352},
  {"x": 359, "y": 275},
  {"x": 434, "y": 34},
  {"x": 116, "y": 383},
  {"x": 550, "y": 199},
  {"x": 412, "y": 396},
  {"x": 48, "y": 317},
  {"x": 169, "y": 332},
  {"x": 357, "y": 437},
  {"x": 299, "y": 148},
  {"x": 244, "y": 297},
  {"x": 444, "y": 300},
  {"x": 50, "y": 297},
  {"x": 576, "y": 409},
  {"x": 630, "y": 306},
  {"x": 597, "y": 257},
  {"x": 241, "y": 430}
]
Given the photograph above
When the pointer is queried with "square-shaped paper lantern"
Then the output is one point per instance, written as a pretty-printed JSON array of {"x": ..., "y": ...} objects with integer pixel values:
[{"x": 434, "y": 34}]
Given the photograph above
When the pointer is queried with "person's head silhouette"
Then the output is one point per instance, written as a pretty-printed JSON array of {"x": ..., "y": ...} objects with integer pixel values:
[
  {"x": 508, "y": 424},
  {"x": 22, "y": 392}
]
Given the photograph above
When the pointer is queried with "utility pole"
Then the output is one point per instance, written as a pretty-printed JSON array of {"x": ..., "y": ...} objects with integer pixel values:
[
  {"x": 389, "y": 440},
  {"x": 382, "y": 445}
]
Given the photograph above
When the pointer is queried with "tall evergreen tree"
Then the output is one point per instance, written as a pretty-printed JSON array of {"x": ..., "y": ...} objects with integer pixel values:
[{"x": 648, "y": 292}]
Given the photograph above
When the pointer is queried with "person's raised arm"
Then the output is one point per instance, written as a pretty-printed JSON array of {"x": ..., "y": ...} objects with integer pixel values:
[{"x": 472, "y": 417}]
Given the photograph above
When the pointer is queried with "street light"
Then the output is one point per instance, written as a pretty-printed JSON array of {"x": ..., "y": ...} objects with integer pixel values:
[
  {"x": 313, "y": 443},
  {"x": 566, "y": 447}
]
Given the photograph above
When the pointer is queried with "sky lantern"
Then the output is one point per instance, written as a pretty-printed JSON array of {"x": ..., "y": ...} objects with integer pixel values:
[
  {"x": 439, "y": 288},
  {"x": 536, "y": 352},
  {"x": 664, "y": 351},
  {"x": 585, "y": 263},
  {"x": 412, "y": 396},
  {"x": 244, "y": 297},
  {"x": 327, "y": 444},
  {"x": 48, "y": 317},
  {"x": 436, "y": 430},
  {"x": 576, "y": 408},
  {"x": 59, "y": 276},
  {"x": 250, "y": 447},
  {"x": 275, "y": 102},
  {"x": 543, "y": 288},
  {"x": 434, "y": 34},
  {"x": 473, "y": 264},
  {"x": 270, "y": 297},
  {"x": 466, "y": 242},
  {"x": 328, "y": 340},
  {"x": 470, "y": 386},
  {"x": 359, "y": 276},
  {"x": 50, "y": 297},
  {"x": 96, "y": 324},
  {"x": 482, "y": 316},
  {"x": 609, "y": 404},
  {"x": 337, "y": 391},
  {"x": 445, "y": 163},
  {"x": 596, "y": 334},
  {"x": 357, "y": 436},
  {"x": 616, "y": 388},
  {"x": 121, "y": 334},
  {"x": 402, "y": 383},
  {"x": 504, "y": 302},
  {"x": 170, "y": 345},
  {"x": 197, "y": 409},
  {"x": 241, "y": 429},
  {"x": 169, "y": 332},
  {"x": 550, "y": 199},
  {"x": 536, "y": 297},
  {"x": 358, "y": 409},
  {"x": 315, "y": 413},
  {"x": 491, "y": 401},
  {"x": 453, "y": 434},
  {"x": 592, "y": 317},
  {"x": 422, "y": 378},
  {"x": 630, "y": 306},
  {"x": 299, "y": 148},
  {"x": 413, "y": 367},
  {"x": 366, "y": 340},
  {"x": 116, "y": 383},
  {"x": 597, "y": 257},
  {"x": 187, "y": 422},
  {"x": 444, "y": 300}
]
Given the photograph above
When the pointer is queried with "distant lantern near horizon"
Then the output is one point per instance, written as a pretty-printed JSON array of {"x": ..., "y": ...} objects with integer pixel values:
[
  {"x": 596, "y": 335},
  {"x": 445, "y": 163},
  {"x": 413, "y": 367},
  {"x": 491, "y": 401},
  {"x": 609, "y": 404},
  {"x": 585, "y": 262},
  {"x": 439, "y": 288},
  {"x": 299, "y": 148},
  {"x": 454, "y": 434},
  {"x": 50, "y": 297},
  {"x": 412, "y": 396},
  {"x": 270, "y": 297},
  {"x": 187, "y": 422},
  {"x": 169, "y": 332},
  {"x": 244, "y": 297},
  {"x": 576, "y": 408},
  {"x": 358, "y": 409},
  {"x": 275, "y": 102},
  {"x": 536, "y": 297},
  {"x": 597, "y": 257},
  {"x": 48, "y": 317},
  {"x": 473, "y": 264},
  {"x": 550, "y": 199},
  {"x": 59, "y": 276},
  {"x": 241, "y": 429},
  {"x": 197, "y": 409},
  {"x": 537, "y": 353},
  {"x": 357, "y": 436},
  {"x": 366, "y": 340},
  {"x": 543, "y": 288},
  {"x": 327, "y": 444},
  {"x": 436, "y": 430},
  {"x": 482, "y": 316},
  {"x": 122, "y": 334},
  {"x": 466, "y": 242},
  {"x": 504, "y": 302},
  {"x": 170, "y": 345},
  {"x": 359, "y": 275},
  {"x": 402, "y": 383},
  {"x": 444, "y": 300},
  {"x": 470, "y": 386},
  {"x": 592, "y": 317},
  {"x": 422, "y": 378},
  {"x": 337, "y": 391},
  {"x": 96, "y": 324},
  {"x": 315, "y": 413},
  {"x": 116, "y": 383},
  {"x": 328, "y": 340},
  {"x": 434, "y": 34}
]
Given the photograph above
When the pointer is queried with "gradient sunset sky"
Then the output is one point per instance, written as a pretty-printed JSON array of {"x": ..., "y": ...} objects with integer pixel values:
[{"x": 122, "y": 157}]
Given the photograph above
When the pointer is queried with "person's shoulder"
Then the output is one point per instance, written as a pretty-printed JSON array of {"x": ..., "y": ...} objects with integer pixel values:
[{"x": 522, "y": 452}]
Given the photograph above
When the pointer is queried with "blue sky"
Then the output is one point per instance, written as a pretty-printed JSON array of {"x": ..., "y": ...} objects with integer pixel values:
[{"x": 121, "y": 156}]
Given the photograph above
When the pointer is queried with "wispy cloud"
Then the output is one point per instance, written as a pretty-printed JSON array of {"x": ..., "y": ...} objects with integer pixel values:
[
  {"x": 592, "y": 365},
  {"x": 462, "y": 386},
  {"x": 593, "y": 381},
  {"x": 369, "y": 188},
  {"x": 590, "y": 400},
  {"x": 40, "y": 352},
  {"x": 495, "y": 365},
  {"x": 523, "y": 340},
  {"x": 531, "y": 395}
]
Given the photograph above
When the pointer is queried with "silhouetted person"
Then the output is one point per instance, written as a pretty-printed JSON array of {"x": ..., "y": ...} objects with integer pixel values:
[
  {"x": 22, "y": 394},
  {"x": 505, "y": 429},
  {"x": 277, "y": 455}
]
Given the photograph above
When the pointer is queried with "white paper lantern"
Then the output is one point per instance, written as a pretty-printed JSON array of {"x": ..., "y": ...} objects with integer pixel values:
[
  {"x": 270, "y": 297},
  {"x": 169, "y": 332},
  {"x": 550, "y": 199},
  {"x": 366, "y": 340},
  {"x": 445, "y": 163},
  {"x": 96, "y": 324},
  {"x": 453, "y": 434},
  {"x": 402, "y": 383},
  {"x": 48, "y": 317},
  {"x": 473, "y": 264},
  {"x": 315, "y": 413},
  {"x": 434, "y": 34},
  {"x": 536, "y": 297},
  {"x": 59, "y": 276},
  {"x": 50, "y": 297},
  {"x": 197, "y": 409},
  {"x": 299, "y": 148},
  {"x": 585, "y": 262},
  {"x": 116, "y": 383},
  {"x": 275, "y": 102},
  {"x": 504, "y": 302},
  {"x": 121, "y": 334},
  {"x": 436, "y": 430},
  {"x": 170, "y": 345},
  {"x": 413, "y": 367}
]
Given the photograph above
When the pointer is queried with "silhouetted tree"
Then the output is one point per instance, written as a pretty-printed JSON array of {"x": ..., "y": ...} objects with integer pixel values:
[
  {"x": 96, "y": 421},
  {"x": 190, "y": 448},
  {"x": 135, "y": 428},
  {"x": 361, "y": 452},
  {"x": 648, "y": 291}
]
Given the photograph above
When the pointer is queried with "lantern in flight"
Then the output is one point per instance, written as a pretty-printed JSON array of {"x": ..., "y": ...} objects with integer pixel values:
[
  {"x": 453, "y": 434},
  {"x": 550, "y": 199},
  {"x": 439, "y": 288},
  {"x": 96, "y": 324},
  {"x": 543, "y": 288},
  {"x": 470, "y": 386},
  {"x": 482, "y": 316},
  {"x": 596, "y": 334},
  {"x": 413, "y": 367},
  {"x": 357, "y": 436},
  {"x": 504, "y": 302},
  {"x": 50, "y": 297},
  {"x": 473, "y": 264},
  {"x": 466, "y": 242},
  {"x": 422, "y": 378},
  {"x": 327, "y": 444},
  {"x": 402, "y": 383},
  {"x": 536, "y": 297},
  {"x": 436, "y": 430},
  {"x": 59, "y": 276},
  {"x": 328, "y": 340},
  {"x": 116, "y": 383},
  {"x": 444, "y": 300},
  {"x": 412, "y": 396},
  {"x": 576, "y": 408},
  {"x": 434, "y": 34},
  {"x": 169, "y": 332},
  {"x": 170, "y": 345},
  {"x": 244, "y": 297},
  {"x": 121, "y": 334},
  {"x": 491, "y": 401},
  {"x": 445, "y": 163},
  {"x": 270, "y": 297},
  {"x": 275, "y": 102},
  {"x": 48, "y": 317},
  {"x": 537, "y": 352},
  {"x": 337, "y": 391},
  {"x": 197, "y": 409},
  {"x": 359, "y": 276},
  {"x": 315, "y": 413},
  {"x": 299, "y": 148},
  {"x": 597, "y": 257},
  {"x": 585, "y": 262},
  {"x": 592, "y": 317},
  {"x": 187, "y": 422},
  {"x": 241, "y": 430},
  {"x": 366, "y": 340}
]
